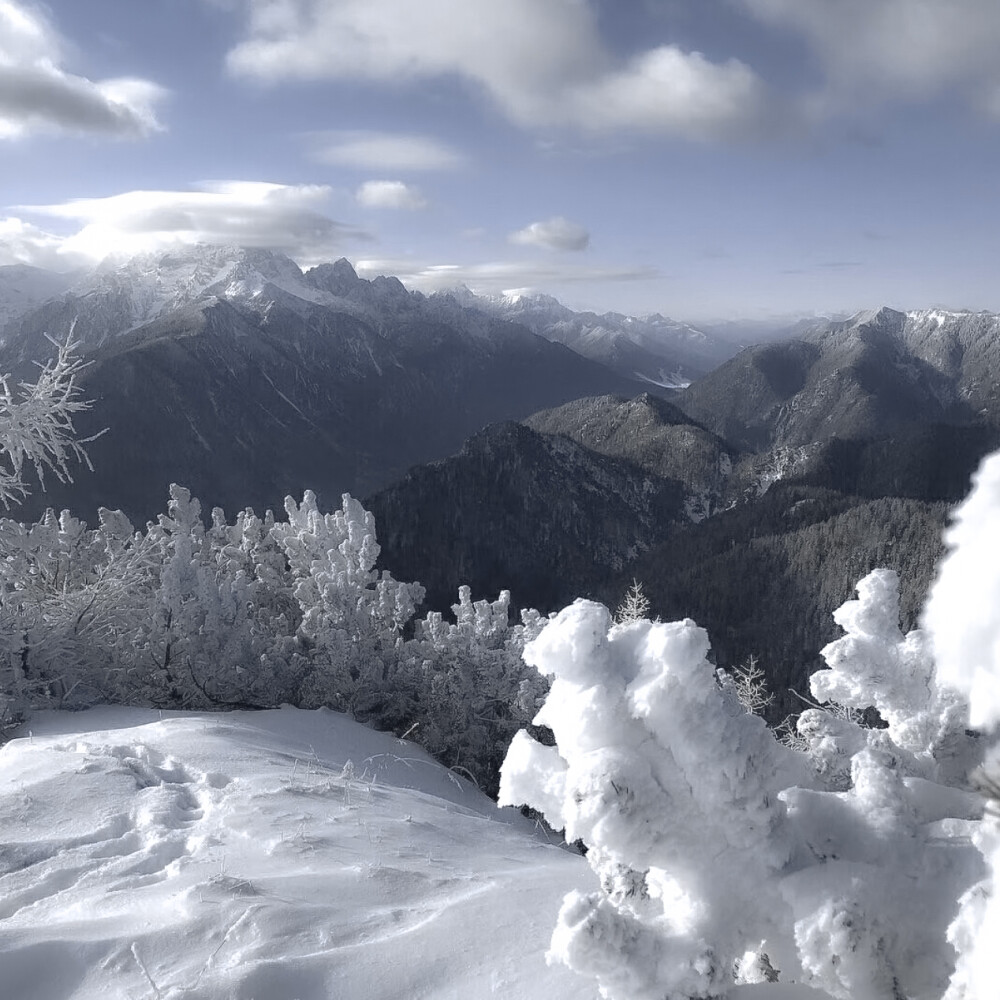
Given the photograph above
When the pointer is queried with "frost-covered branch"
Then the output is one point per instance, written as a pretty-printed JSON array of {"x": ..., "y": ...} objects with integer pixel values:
[
  {"x": 750, "y": 682},
  {"x": 36, "y": 424}
]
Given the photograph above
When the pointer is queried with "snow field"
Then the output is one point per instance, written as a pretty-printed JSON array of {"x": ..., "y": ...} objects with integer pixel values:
[{"x": 264, "y": 856}]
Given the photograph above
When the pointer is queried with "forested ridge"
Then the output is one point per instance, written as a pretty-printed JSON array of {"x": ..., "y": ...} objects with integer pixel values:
[{"x": 765, "y": 580}]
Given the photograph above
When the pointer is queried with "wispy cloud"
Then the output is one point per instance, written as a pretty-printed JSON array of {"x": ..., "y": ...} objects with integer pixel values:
[
  {"x": 541, "y": 63},
  {"x": 491, "y": 277},
  {"x": 383, "y": 151},
  {"x": 38, "y": 95},
  {"x": 248, "y": 213},
  {"x": 556, "y": 233},
  {"x": 389, "y": 194}
]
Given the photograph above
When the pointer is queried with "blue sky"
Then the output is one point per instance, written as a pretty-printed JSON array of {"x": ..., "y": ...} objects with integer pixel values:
[{"x": 700, "y": 158}]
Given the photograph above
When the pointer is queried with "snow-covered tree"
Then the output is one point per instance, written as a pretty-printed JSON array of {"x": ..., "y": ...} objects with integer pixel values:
[
  {"x": 723, "y": 856},
  {"x": 634, "y": 605},
  {"x": 352, "y": 616}
]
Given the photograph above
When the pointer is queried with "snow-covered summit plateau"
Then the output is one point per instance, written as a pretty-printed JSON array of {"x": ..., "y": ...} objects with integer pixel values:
[{"x": 267, "y": 855}]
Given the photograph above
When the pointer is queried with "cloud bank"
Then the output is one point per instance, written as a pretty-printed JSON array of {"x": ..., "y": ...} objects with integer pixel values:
[
  {"x": 24, "y": 243},
  {"x": 542, "y": 62},
  {"x": 492, "y": 277},
  {"x": 895, "y": 49},
  {"x": 38, "y": 95},
  {"x": 246, "y": 213}
]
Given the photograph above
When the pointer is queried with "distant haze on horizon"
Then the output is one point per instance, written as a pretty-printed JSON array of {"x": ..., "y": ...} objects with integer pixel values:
[{"x": 743, "y": 159}]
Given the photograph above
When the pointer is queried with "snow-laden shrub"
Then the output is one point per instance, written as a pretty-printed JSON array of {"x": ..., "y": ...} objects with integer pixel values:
[
  {"x": 478, "y": 690},
  {"x": 255, "y": 613},
  {"x": 723, "y": 855},
  {"x": 351, "y": 616}
]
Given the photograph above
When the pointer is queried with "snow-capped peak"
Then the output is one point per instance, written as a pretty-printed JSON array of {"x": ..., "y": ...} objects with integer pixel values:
[
  {"x": 150, "y": 285},
  {"x": 937, "y": 316},
  {"x": 881, "y": 315}
]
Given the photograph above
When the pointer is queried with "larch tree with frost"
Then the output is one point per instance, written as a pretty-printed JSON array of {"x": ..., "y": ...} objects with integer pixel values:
[{"x": 861, "y": 866}]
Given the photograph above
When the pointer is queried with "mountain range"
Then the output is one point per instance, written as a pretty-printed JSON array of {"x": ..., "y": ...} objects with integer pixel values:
[
  {"x": 509, "y": 442},
  {"x": 876, "y": 373},
  {"x": 234, "y": 372},
  {"x": 801, "y": 464},
  {"x": 662, "y": 352}
]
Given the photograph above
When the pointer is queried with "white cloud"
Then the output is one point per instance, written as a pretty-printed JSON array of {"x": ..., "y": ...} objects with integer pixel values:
[
  {"x": 541, "y": 61},
  {"x": 24, "y": 243},
  {"x": 668, "y": 90},
  {"x": 384, "y": 151},
  {"x": 38, "y": 95},
  {"x": 556, "y": 233},
  {"x": 389, "y": 194},
  {"x": 247, "y": 213},
  {"x": 908, "y": 49}
]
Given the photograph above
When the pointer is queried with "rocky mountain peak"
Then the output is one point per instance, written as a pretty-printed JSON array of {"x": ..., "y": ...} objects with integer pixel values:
[
  {"x": 130, "y": 292},
  {"x": 881, "y": 318},
  {"x": 338, "y": 278}
]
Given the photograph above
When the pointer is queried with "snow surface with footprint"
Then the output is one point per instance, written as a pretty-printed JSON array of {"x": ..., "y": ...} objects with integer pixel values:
[{"x": 280, "y": 855}]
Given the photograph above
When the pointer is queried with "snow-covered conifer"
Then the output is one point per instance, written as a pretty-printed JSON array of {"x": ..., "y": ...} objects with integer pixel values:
[
  {"x": 718, "y": 850},
  {"x": 352, "y": 616},
  {"x": 875, "y": 665},
  {"x": 673, "y": 788}
]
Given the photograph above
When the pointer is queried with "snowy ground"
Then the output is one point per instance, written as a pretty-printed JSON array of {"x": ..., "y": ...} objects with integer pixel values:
[{"x": 282, "y": 855}]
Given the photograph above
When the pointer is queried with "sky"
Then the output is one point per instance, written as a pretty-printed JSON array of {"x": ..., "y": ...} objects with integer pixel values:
[{"x": 705, "y": 159}]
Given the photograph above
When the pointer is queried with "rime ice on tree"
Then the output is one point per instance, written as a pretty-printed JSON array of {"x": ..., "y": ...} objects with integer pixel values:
[{"x": 723, "y": 856}]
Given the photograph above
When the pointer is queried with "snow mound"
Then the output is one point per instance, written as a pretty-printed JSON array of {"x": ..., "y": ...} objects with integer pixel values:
[{"x": 272, "y": 855}]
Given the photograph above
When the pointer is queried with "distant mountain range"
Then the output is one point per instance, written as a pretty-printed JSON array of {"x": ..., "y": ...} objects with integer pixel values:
[
  {"x": 801, "y": 465},
  {"x": 886, "y": 404},
  {"x": 876, "y": 373},
  {"x": 653, "y": 349},
  {"x": 233, "y": 372},
  {"x": 509, "y": 442}
]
